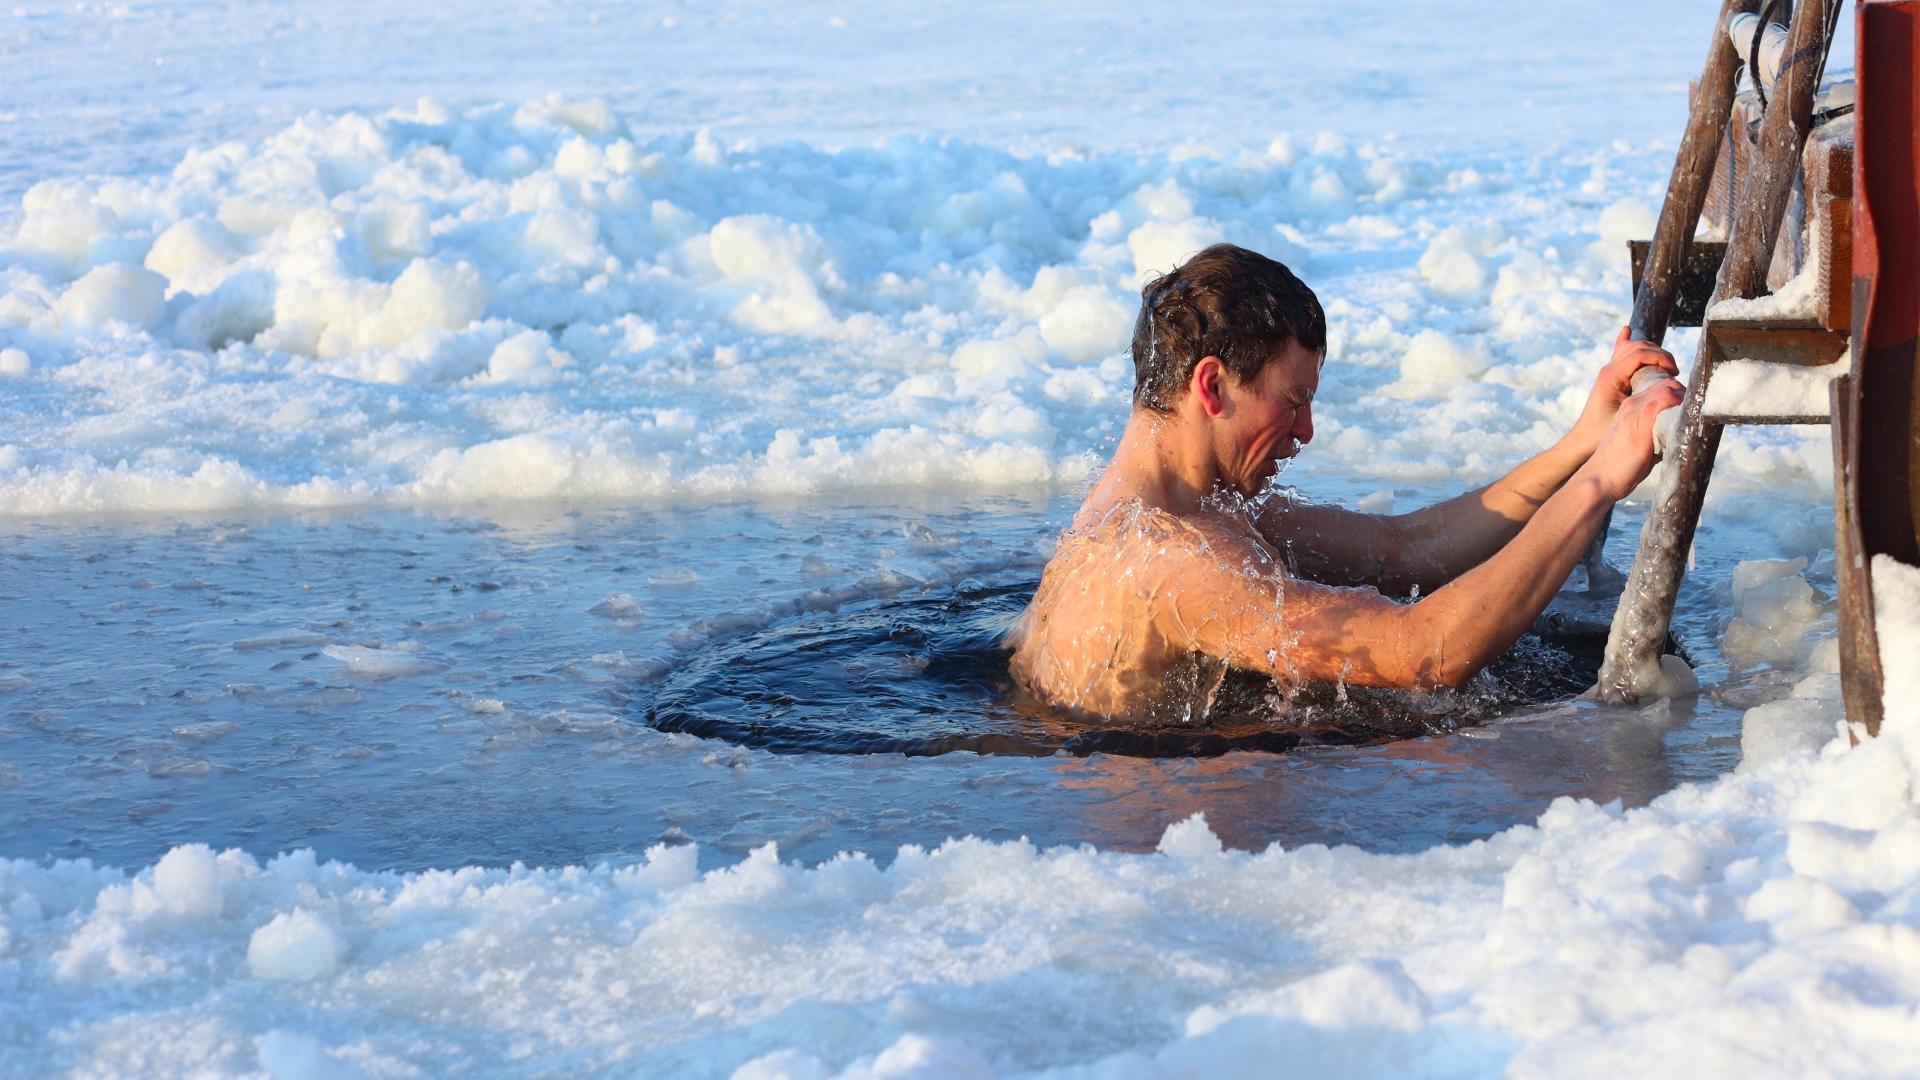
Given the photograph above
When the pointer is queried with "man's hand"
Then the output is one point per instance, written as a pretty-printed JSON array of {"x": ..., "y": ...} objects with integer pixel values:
[
  {"x": 1614, "y": 386},
  {"x": 1625, "y": 455}
]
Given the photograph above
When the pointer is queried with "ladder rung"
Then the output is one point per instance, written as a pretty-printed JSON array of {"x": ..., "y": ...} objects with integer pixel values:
[{"x": 1801, "y": 342}]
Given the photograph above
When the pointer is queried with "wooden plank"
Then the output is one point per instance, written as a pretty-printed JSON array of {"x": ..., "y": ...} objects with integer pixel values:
[
  {"x": 1829, "y": 185},
  {"x": 1861, "y": 678},
  {"x": 1831, "y": 232},
  {"x": 1796, "y": 344}
]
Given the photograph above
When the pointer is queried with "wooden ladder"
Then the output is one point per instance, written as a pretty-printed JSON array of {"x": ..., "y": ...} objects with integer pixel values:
[{"x": 1631, "y": 669}]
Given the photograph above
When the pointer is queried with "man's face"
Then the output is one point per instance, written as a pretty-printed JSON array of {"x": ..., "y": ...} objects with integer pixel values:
[{"x": 1272, "y": 418}]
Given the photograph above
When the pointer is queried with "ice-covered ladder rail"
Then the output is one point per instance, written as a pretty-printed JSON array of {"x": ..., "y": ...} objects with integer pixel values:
[{"x": 1631, "y": 668}]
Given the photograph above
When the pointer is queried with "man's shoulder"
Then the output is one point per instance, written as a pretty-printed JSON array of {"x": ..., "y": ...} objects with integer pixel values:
[
  {"x": 1226, "y": 538},
  {"x": 1158, "y": 543}
]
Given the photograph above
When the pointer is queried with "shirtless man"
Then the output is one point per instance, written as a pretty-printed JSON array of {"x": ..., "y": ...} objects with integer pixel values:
[{"x": 1180, "y": 565}]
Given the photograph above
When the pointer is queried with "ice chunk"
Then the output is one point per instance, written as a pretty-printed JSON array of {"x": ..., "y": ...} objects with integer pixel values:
[
  {"x": 526, "y": 356},
  {"x": 66, "y": 223},
  {"x": 1623, "y": 220},
  {"x": 1451, "y": 267},
  {"x": 1190, "y": 839},
  {"x": 784, "y": 1065},
  {"x": 1676, "y": 679},
  {"x": 785, "y": 265},
  {"x": 1156, "y": 247},
  {"x": 993, "y": 364},
  {"x": 1801, "y": 905},
  {"x": 206, "y": 731},
  {"x": 115, "y": 293},
  {"x": 619, "y": 606},
  {"x": 1434, "y": 361},
  {"x": 240, "y": 309},
  {"x": 1087, "y": 324},
  {"x": 290, "y": 1055},
  {"x": 1366, "y": 994},
  {"x": 910, "y": 1057},
  {"x": 1774, "y": 608},
  {"x": 186, "y": 881},
  {"x": 1786, "y": 728},
  {"x": 384, "y": 663},
  {"x": 189, "y": 247},
  {"x": 296, "y": 945},
  {"x": 1375, "y": 502}
]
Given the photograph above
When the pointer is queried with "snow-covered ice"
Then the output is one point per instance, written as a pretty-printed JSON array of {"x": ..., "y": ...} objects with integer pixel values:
[{"x": 671, "y": 254}]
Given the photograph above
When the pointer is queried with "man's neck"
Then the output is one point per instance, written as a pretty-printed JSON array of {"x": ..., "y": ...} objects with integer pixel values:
[{"x": 1163, "y": 462}]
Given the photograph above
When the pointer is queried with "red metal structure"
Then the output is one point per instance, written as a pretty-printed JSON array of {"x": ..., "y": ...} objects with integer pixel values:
[{"x": 1876, "y": 434}]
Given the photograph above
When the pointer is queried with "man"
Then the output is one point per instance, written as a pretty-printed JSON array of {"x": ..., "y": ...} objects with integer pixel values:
[{"x": 1179, "y": 566}]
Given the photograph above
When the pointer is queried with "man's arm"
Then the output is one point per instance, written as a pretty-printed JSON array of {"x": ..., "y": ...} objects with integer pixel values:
[
  {"x": 1429, "y": 547},
  {"x": 1421, "y": 550},
  {"x": 1252, "y": 616}
]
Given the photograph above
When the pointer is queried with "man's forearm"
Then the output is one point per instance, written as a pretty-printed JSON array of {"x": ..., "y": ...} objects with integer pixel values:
[
  {"x": 1447, "y": 539},
  {"x": 1460, "y": 628}
]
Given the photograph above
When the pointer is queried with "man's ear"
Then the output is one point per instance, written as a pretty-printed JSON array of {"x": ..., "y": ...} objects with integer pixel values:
[{"x": 1208, "y": 385}]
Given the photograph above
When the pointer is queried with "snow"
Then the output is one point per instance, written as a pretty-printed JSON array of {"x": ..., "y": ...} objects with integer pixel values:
[
  {"x": 1793, "y": 300},
  {"x": 1896, "y": 614},
  {"x": 1698, "y": 933},
  {"x": 676, "y": 253},
  {"x": 1758, "y": 388}
]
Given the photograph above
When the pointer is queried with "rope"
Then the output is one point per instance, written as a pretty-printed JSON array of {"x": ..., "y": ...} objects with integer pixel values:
[
  {"x": 1820, "y": 116},
  {"x": 1753, "y": 51}
]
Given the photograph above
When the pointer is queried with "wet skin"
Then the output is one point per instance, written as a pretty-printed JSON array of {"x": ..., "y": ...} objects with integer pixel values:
[{"x": 1180, "y": 563}]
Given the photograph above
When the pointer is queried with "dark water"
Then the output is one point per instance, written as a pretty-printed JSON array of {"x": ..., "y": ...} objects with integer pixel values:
[{"x": 927, "y": 674}]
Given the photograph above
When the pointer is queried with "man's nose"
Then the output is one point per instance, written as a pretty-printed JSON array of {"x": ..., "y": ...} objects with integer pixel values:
[{"x": 1303, "y": 425}]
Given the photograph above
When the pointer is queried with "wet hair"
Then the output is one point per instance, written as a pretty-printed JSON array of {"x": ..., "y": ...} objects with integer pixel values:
[{"x": 1227, "y": 302}]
